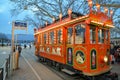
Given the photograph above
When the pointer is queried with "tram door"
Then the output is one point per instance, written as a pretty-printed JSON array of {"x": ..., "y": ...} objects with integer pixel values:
[{"x": 70, "y": 46}]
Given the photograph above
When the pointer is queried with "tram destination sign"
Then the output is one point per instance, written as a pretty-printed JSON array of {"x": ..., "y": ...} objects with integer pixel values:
[{"x": 20, "y": 25}]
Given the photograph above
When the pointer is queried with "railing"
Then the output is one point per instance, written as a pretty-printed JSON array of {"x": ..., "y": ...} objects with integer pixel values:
[
  {"x": 4, "y": 70},
  {"x": 1, "y": 74}
]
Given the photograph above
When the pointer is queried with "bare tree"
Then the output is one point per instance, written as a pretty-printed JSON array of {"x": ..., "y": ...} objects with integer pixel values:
[{"x": 45, "y": 10}]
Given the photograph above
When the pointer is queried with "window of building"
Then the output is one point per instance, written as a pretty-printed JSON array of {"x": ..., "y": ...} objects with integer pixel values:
[
  {"x": 52, "y": 37},
  {"x": 92, "y": 35},
  {"x": 70, "y": 35},
  {"x": 79, "y": 34}
]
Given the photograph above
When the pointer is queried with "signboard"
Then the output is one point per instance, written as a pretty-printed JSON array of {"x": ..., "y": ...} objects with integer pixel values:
[{"x": 20, "y": 25}]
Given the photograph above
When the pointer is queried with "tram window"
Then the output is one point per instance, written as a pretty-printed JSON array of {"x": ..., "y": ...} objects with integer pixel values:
[
  {"x": 38, "y": 39},
  {"x": 41, "y": 38},
  {"x": 59, "y": 36},
  {"x": 70, "y": 35},
  {"x": 52, "y": 37},
  {"x": 101, "y": 35},
  {"x": 92, "y": 35},
  {"x": 44, "y": 38},
  {"x": 107, "y": 38},
  {"x": 79, "y": 34}
]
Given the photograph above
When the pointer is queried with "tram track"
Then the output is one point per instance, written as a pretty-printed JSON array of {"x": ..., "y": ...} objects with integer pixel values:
[{"x": 61, "y": 74}]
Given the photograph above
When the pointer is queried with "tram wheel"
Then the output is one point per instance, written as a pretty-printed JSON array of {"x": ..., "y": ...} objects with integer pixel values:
[
  {"x": 50, "y": 63},
  {"x": 82, "y": 79},
  {"x": 58, "y": 66}
]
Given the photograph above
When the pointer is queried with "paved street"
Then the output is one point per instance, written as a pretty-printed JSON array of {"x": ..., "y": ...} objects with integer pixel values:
[
  {"x": 4, "y": 54},
  {"x": 31, "y": 69},
  {"x": 116, "y": 68}
]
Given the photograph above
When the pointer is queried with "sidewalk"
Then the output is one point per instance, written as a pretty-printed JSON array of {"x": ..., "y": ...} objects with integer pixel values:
[
  {"x": 31, "y": 69},
  {"x": 24, "y": 72},
  {"x": 116, "y": 69}
]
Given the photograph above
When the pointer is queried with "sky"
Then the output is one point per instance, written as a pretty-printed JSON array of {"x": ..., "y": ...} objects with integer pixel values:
[{"x": 6, "y": 19}]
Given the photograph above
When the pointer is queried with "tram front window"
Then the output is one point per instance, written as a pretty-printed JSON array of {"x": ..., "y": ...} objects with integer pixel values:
[
  {"x": 92, "y": 35},
  {"x": 70, "y": 35},
  {"x": 52, "y": 37},
  {"x": 107, "y": 37},
  {"x": 59, "y": 33},
  {"x": 101, "y": 36},
  {"x": 44, "y": 38},
  {"x": 79, "y": 34}
]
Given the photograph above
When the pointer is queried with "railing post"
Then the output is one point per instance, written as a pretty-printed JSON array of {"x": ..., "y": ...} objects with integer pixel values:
[{"x": 1, "y": 74}]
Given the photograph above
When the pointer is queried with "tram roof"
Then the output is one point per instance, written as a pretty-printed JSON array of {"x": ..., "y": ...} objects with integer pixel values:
[
  {"x": 73, "y": 16},
  {"x": 93, "y": 18}
]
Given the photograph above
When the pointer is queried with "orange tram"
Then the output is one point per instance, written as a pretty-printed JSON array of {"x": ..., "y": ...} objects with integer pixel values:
[{"x": 78, "y": 42}]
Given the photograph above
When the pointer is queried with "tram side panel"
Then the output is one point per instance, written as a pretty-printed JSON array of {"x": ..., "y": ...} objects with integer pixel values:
[{"x": 53, "y": 51}]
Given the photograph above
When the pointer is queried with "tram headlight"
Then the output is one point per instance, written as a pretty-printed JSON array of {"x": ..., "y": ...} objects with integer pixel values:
[{"x": 105, "y": 59}]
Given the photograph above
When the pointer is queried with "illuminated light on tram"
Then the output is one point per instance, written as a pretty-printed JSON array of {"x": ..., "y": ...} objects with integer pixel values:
[
  {"x": 111, "y": 26},
  {"x": 100, "y": 23},
  {"x": 60, "y": 16},
  {"x": 105, "y": 10},
  {"x": 46, "y": 23},
  {"x": 69, "y": 12},
  {"x": 111, "y": 13},
  {"x": 53, "y": 19},
  {"x": 105, "y": 59},
  {"x": 98, "y": 7},
  {"x": 90, "y": 3}
]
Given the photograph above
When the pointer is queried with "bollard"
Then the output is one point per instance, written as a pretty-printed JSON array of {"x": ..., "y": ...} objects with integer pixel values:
[
  {"x": 17, "y": 60},
  {"x": 14, "y": 61}
]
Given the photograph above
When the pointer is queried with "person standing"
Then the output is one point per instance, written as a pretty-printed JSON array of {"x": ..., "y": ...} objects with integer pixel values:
[
  {"x": 29, "y": 45},
  {"x": 19, "y": 50}
]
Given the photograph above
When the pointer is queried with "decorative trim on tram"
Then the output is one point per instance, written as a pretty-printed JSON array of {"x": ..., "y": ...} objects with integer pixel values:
[{"x": 93, "y": 59}]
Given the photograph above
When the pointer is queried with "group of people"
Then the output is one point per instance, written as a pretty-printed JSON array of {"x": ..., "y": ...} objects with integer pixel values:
[
  {"x": 115, "y": 52},
  {"x": 19, "y": 48},
  {"x": 26, "y": 46}
]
